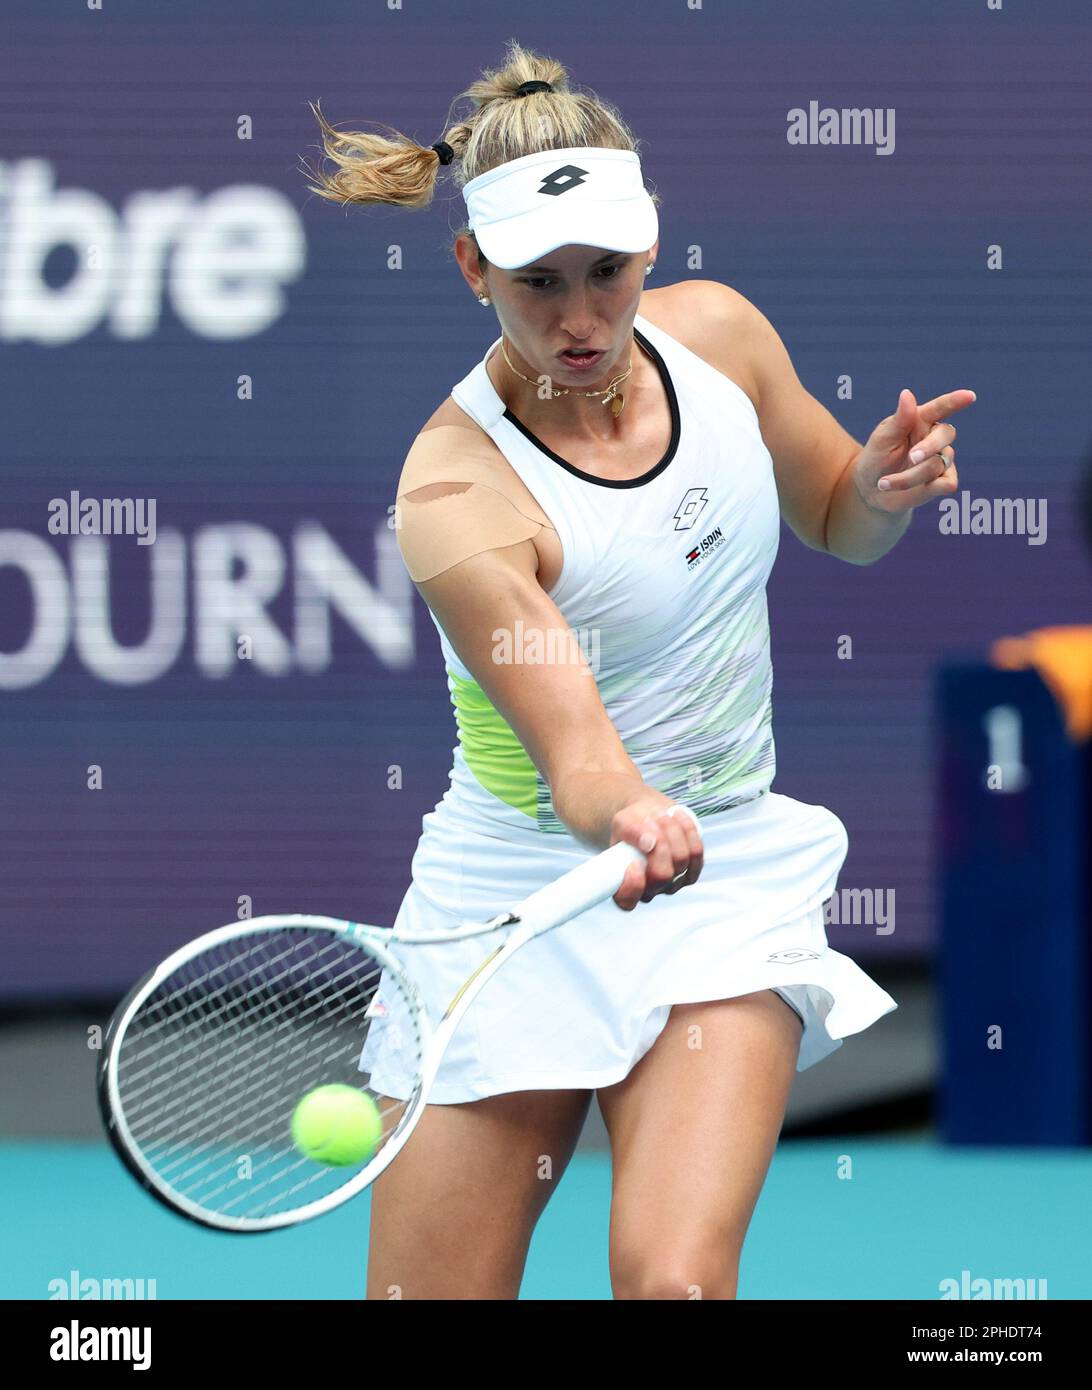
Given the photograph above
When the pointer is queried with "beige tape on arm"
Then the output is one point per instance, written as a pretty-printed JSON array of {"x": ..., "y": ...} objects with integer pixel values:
[
  {"x": 437, "y": 532},
  {"x": 448, "y": 512}
]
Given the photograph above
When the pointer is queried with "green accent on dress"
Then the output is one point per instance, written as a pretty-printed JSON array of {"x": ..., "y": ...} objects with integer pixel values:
[{"x": 492, "y": 751}]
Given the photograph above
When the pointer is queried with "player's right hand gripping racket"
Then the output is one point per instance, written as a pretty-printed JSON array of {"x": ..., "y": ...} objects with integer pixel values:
[{"x": 206, "y": 1058}]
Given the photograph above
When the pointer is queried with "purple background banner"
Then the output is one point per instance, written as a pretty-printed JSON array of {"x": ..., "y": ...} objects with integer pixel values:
[{"x": 181, "y": 321}]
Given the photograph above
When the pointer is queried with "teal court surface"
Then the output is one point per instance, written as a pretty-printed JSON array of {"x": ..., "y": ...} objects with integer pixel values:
[{"x": 912, "y": 1216}]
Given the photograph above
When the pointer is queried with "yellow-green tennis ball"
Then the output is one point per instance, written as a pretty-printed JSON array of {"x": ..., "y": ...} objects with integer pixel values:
[{"x": 338, "y": 1125}]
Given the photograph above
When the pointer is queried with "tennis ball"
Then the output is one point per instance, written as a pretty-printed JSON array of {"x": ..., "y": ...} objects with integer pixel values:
[{"x": 338, "y": 1125}]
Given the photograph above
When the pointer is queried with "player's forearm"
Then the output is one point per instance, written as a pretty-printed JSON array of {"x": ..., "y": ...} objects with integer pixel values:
[
  {"x": 856, "y": 532},
  {"x": 587, "y": 800}
]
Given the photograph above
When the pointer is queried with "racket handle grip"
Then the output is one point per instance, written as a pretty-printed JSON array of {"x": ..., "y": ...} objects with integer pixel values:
[{"x": 583, "y": 887}]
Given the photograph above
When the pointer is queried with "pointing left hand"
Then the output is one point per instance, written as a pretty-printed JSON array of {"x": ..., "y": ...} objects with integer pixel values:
[{"x": 888, "y": 476}]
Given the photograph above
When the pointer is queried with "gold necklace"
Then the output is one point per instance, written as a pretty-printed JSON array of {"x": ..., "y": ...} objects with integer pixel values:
[{"x": 612, "y": 396}]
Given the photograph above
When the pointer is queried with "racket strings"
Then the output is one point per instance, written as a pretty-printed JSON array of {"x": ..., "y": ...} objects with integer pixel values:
[
  {"x": 263, "y": 1006},
  {"x": 212, "y": 1063},
  {"x": 196, "y": 1052},
  {"x": 198, "y": 1019},
  {"x": 193, "y": 988}
]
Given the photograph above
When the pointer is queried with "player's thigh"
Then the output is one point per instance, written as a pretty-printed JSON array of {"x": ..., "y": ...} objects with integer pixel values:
[
  {"x": 453, "y": 1215},
  {"x": 693, "y": 1128}
]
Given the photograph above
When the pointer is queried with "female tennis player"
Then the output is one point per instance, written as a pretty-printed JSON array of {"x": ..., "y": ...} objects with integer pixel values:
[{"x": 591, "y": 517}]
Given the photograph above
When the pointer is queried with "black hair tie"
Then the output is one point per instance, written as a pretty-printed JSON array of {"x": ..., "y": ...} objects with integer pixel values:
[{"x": 444, "y": 150}]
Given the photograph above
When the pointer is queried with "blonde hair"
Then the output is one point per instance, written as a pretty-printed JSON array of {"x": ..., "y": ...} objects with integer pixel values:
[{"x": 398, "y": 172}]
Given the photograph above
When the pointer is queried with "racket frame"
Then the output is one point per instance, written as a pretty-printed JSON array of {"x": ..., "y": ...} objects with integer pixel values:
[
  {"x": 590, "y": 883},
  {"x": 376, "y": 940}
]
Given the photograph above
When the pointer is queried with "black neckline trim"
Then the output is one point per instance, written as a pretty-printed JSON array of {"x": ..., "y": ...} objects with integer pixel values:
[{"x": 656, "y": 469}]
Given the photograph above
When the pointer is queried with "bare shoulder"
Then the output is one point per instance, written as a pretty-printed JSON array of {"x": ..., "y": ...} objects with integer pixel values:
[
  {"x": 698, "y": 306},
  {"x": 714, "y": 321}
]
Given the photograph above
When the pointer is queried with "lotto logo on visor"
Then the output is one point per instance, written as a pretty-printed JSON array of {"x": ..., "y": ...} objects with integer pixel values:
[
  {"x": 561, "y": 180},
  {"x": 517, "y": 212}
]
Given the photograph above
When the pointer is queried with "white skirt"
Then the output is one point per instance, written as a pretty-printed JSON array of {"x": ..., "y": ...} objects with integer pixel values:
[{"x": 578, "y": 1007}]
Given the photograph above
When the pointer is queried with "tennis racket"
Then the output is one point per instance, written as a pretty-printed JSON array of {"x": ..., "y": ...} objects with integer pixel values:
[{"x": 206, "y": 1058}]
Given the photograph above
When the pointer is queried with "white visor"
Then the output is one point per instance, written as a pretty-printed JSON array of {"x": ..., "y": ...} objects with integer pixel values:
[{"x": 580, "y": 197}]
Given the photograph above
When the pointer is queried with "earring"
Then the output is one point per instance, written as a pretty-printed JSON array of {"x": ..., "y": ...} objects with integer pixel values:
[
  {"x": 484, "y": 300},
  {"x": 648, "y": 268}
]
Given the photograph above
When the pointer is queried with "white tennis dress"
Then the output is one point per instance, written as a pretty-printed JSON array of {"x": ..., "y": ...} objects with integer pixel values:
[{"x": 664, "y": 585}]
